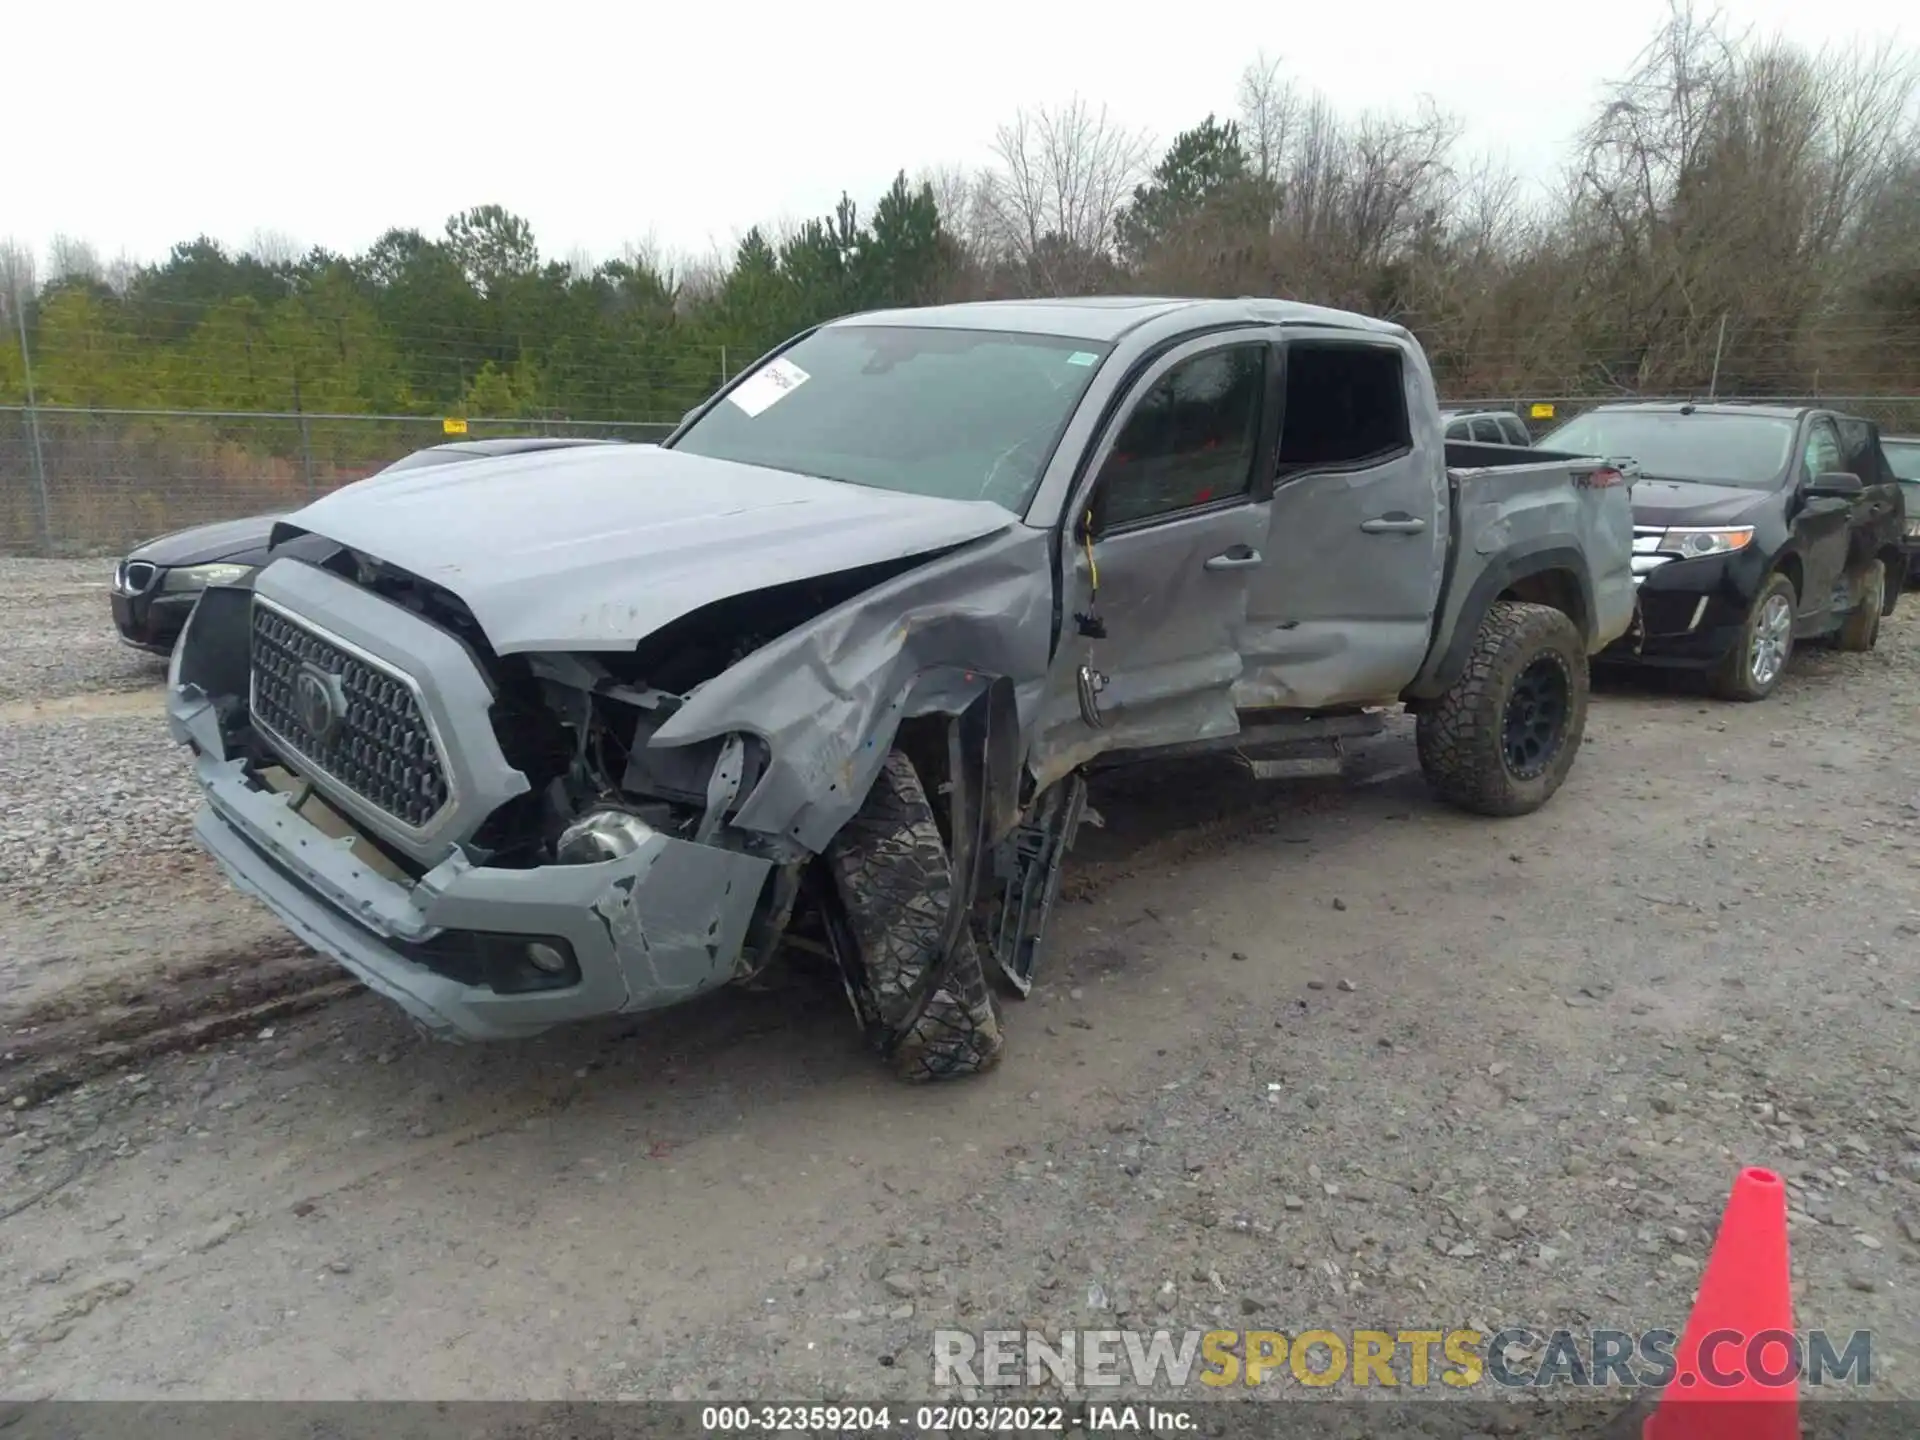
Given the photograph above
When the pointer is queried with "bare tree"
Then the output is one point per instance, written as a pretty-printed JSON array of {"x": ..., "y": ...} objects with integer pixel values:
[
  {"x": 1269, "y": 113},
  {"x": 1048, "y": 205},
  {"x": 119, "y": 273},
  {"x": 19, "y": 280},
  {"x": 958, "y": 194},
  {"x": 273, "y": 248},
  {"x": 1717, "y": 193},
  {"x": 69, "y": 258}
]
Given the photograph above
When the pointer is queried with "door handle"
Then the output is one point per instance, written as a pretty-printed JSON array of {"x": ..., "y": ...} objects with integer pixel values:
[
  {"x": 1240, "y": 557},
  {"x": 1397, "y": 523}
]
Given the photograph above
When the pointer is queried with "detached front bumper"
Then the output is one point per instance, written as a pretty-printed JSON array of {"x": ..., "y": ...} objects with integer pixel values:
[
  {"x": 645, "y": 931},
  {"x": 1689, "y": 612}
]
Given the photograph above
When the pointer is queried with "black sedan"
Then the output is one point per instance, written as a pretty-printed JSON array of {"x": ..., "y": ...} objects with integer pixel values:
[
  {"x": 1755, "y": 527},
  {"x": 155, "y": 587}
]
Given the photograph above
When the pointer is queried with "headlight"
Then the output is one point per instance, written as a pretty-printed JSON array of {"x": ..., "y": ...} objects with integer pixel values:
[
  {"x": 198, "y": 577},
  {"x": 1690, "y": 542},
  {"x": 603, "y": 834}
]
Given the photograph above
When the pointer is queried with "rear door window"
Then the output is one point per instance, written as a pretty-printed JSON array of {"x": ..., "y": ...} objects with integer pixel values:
[{"x": 1346, "y": 407}]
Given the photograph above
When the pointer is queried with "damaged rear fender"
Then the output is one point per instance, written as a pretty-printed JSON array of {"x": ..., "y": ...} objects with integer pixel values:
[{"x": 828, "y": 697}]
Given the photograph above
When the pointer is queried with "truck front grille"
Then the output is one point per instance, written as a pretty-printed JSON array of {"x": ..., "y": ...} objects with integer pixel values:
[{"x": 356, "y": 722}]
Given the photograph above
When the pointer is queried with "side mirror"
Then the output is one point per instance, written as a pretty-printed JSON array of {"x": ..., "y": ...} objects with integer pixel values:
[{"x": 1835, "y": 485}]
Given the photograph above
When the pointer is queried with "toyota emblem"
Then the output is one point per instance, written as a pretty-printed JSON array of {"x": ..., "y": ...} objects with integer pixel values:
[{"x": 316, "y": 700}]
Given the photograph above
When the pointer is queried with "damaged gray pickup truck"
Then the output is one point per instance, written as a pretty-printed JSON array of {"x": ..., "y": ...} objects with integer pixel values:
[{"x": 526, "y": 740}]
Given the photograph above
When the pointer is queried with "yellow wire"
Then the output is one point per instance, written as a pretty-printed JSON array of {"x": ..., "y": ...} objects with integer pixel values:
[{"x": 1093, "y": 569}]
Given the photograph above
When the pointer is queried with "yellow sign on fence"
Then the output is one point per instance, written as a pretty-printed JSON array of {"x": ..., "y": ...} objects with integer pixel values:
[
  {"x": 453, "y": 426},
  {"x": 1542, "y": 411}
]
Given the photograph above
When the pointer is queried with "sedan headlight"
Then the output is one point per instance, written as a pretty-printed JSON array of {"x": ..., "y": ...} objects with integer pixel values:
[
  {"x": 1691, "y": 542},
  {"x": 198, "y": 577}
]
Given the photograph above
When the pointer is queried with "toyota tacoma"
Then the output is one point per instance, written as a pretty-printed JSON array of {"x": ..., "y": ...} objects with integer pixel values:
[{"x": 553, "y": 736}]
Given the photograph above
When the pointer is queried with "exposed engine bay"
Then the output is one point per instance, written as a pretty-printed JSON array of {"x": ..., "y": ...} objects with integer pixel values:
[{"x": 580, "y": 726}]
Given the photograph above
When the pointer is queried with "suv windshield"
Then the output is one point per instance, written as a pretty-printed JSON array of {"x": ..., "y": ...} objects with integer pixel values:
[
  {"x": 1904, "y": 457},
  {"x": 958, "y": 414},
  {"x": 1748, "y": 451}
]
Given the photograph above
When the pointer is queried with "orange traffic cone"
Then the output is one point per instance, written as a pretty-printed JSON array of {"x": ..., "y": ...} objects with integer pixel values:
[{"x": 1737, "y": 1368}]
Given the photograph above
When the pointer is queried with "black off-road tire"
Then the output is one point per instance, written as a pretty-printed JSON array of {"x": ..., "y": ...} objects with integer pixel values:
[
  {"x": 895, "y": 879},
  {"x": 1861, "y": 629},
  {"x": 1733, "y": 678},
  {"x": 1462, "y": 736}
]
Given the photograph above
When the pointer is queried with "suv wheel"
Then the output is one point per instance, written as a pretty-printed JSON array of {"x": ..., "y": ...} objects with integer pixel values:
[
  {"x": 1753, "y": 667},
  {"x": 1862, "y": 626},
  {"x": 894, "y": 878},
  {"x": 1502, "y": 738}
]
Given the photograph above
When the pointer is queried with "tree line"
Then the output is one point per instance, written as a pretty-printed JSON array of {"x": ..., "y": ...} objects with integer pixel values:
[{"x": 1737, "y": 213}]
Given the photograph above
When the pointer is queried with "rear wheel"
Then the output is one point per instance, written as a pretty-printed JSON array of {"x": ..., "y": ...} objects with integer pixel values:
[
  {"x": 1502, "y": 738},
  {"x": 1862, "y": 627},
  {"x": 1753, "y": 667},
  {"x": 895, "y": 882}
]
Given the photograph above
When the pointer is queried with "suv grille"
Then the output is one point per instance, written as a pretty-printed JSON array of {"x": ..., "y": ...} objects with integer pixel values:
[{"x": 356, "y": 722}]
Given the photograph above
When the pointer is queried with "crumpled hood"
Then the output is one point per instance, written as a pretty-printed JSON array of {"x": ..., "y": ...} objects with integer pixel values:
[
  {"x": 242, "y": 540},
  {"x": 1688, "y": 502},
  {"x": 594, "y": 549}
]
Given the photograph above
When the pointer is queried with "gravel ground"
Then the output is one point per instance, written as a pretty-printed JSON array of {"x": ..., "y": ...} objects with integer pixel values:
[
  {"x": 99, "y": 876},
  {"x": 60, "y": 635},
  {"x": 1312, "y": 1056}
]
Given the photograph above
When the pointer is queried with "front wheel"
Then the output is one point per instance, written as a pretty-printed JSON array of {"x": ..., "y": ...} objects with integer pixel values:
[
  {"x": 895, "y": 880},
  {"x": 1753, "y": 667},
  {"x": 1504, "y": 735}
]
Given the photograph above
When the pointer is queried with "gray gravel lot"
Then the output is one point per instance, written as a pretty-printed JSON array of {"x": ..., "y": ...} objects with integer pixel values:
[
  {"x": 1311, "y": 1056},
  {"x": 60, "y": 635},
  {"x": 99, "y": 876}
]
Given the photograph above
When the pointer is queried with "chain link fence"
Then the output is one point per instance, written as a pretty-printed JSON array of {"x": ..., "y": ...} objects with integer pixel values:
[
  {"x": 95, "y": 482},
  {"x": 90, "y": 482}
]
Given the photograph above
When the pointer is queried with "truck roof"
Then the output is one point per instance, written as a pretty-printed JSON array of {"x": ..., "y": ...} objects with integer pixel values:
[
  {"x": 1707, "y": 407},
  {"x": 1107, "y": 318}
]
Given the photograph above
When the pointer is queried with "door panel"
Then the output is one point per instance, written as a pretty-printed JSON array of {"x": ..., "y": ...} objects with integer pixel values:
[
  {"x": 1877, "y": 518},
  {"x": 1342, "y": 611},
  {"x": 1172, "y": 617},
  {"x": 1821, "y": 527},
  {"x": 1155, "y": 583}
]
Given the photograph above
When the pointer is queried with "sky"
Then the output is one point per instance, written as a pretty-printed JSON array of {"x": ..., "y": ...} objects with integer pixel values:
[{"x": 136, "y": 125}]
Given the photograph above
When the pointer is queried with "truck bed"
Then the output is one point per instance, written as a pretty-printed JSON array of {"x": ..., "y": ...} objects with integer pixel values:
[{"x": 1510, "y": 504}]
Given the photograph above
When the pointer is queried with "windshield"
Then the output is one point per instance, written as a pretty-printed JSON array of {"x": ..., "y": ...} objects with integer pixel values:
[
  {"x": 1748, "y": 451},
  {"x": 958, "y": 414},
  {"x": 1904, "y": 457}
]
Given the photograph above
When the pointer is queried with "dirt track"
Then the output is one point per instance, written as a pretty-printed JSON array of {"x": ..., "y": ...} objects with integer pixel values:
[{"x": 1308, "y": 1056}]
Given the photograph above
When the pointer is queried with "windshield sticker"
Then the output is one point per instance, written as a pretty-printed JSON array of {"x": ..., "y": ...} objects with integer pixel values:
[
  {"x": 771, "y": 382},
  {"x": 1082, "y": 357}
]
